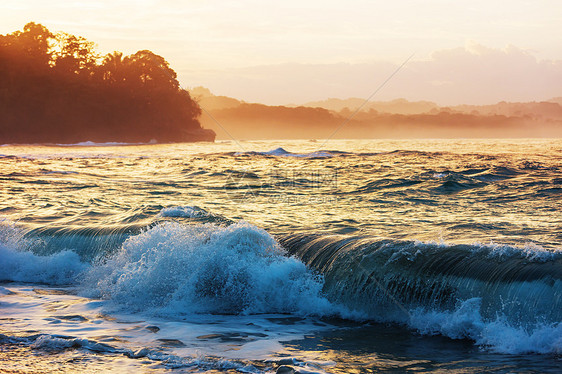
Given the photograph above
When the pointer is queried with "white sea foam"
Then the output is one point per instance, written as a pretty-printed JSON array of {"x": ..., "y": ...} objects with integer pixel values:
[
  {"x": 175, "y": 269},
  {"x": 19, "y": 264},
  {"x": 440, "y": 175},
  {"x": 282, "y": 152},
  {"x": 529, "y": 251},
  {"x": 24, "y": 266},
  {"x": 466, "y": 322}
]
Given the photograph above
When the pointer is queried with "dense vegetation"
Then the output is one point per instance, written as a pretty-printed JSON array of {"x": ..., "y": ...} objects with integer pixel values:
[{"x": 55, "y": 88}]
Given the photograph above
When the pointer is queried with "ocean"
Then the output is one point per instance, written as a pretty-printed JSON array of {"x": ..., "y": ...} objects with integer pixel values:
[{"x": 293, "y": 256}]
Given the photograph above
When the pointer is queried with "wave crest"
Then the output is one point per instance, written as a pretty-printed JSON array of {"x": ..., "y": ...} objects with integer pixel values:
[{"x": 18, "y": 264}]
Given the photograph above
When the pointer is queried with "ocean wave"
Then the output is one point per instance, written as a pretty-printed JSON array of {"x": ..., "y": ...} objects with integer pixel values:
[
  {"x": 184, "y": 211},
  {"x": 280, "y": 152},
  {"x": 175, "y": 269},
  {"x": 89, "y": 242},
  {"x": 194, "y": 213},
  {"x": 19, "y": 264},
  {"x": 496, "y": 335},
  {"x": 392, "y": 281},
  {"x": 504, "y": 298},
  {"x": 90, "y": 143},
  {"x": 433, "y": 182},
  {"x": 24, "y": 266}
]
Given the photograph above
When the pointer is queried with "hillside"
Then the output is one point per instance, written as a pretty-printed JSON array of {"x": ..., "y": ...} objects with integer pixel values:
[{"x": 394, "y": 119}]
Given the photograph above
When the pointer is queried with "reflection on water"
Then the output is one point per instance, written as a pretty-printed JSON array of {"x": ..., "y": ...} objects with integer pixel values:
[
  {"x": 158, "y": 293},
  {"x": 382, "y": 348},
  {"x": 460, "y": 191}
]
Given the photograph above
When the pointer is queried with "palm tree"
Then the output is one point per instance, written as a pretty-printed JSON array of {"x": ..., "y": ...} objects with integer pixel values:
[{"x": 113, "y": 67}]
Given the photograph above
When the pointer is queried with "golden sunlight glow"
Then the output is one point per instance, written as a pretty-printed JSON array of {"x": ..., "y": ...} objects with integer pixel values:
[{"x": 299, "y": 51}]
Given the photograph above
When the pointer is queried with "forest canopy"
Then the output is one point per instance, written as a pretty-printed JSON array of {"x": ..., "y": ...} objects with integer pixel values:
[{"x": 56, "y": 88}]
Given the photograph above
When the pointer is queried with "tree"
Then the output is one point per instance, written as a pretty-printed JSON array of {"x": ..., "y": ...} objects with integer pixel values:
[
  {"x": 57, "y": 89},
  {"x": 151, "y": 70},
  {"x": 113, "y": 68},
  {"x": 74, "y": 54}
]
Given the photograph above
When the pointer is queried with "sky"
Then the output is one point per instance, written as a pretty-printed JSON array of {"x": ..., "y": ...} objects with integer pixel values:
[{"x": 294, "y": 51}]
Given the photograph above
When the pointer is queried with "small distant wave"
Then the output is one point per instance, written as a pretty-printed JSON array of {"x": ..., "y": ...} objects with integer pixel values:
[
  {"x": 87, "y": 143},
  {"x": 280, "y": 152},
  {"x": 105, "y": 144},
  {"x": 57, "y": 172},
  {"x": 70, "y": 155},
  {"x": 194, "y": 213},
  {"x": 432, "y": 182},
  {"x": 448, "y": 182},
  {"x": 184, "y": 211}
]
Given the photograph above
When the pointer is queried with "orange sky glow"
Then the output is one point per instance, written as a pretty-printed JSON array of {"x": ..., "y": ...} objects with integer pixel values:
[{"x": 291, "y": 52}]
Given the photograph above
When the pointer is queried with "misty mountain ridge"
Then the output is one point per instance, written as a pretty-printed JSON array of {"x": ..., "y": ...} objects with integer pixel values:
[
  {"x": 387, "y": 119},
  {"x": 551, "y": 109}
]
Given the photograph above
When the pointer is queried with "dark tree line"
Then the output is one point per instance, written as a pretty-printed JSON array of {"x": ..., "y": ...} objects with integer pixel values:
[{"x": 55, "y": 88}]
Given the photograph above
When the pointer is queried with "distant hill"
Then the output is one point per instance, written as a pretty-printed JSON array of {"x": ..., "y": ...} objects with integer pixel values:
[
  {"x": 398, "y": 106},
  {"x": 543, "y": 109},
  {"x": 207, "y": 100},
  {"x": 393, "y": 119},
  {"x": 557, "y": 100}
]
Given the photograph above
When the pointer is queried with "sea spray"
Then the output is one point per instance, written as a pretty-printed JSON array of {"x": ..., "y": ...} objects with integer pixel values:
[
  {"x": 175, "y": 269},
  {"x": 495, "y": 335}
]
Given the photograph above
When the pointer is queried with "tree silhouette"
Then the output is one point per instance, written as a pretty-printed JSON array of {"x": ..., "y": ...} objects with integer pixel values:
[
  {"x": 55, "y": 88},
  {"x": 113, "y": 68},
  {"x": 74, "y": 54}
]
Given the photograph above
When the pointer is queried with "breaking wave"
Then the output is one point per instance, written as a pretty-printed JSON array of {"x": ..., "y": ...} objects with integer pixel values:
[
  {"x": 505, "y": 299},
  {"x": 175, "y": 269}
]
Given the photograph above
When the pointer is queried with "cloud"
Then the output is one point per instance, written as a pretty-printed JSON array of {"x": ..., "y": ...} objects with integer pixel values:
[{"x": 473, "y": 74}]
